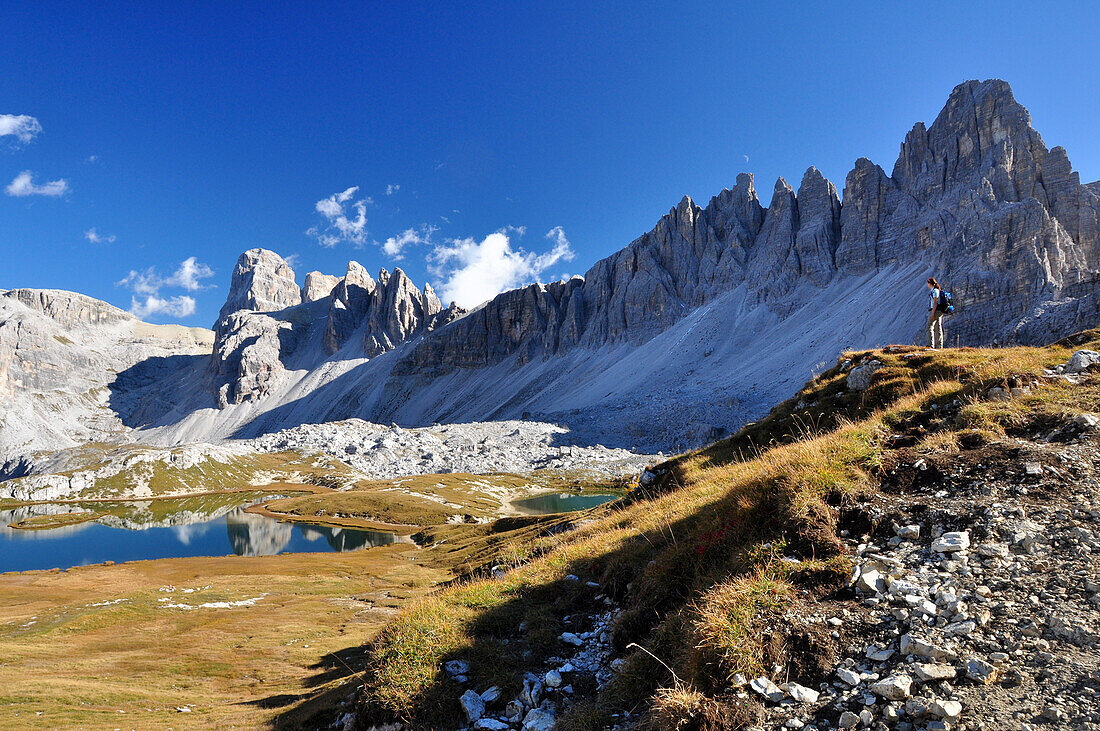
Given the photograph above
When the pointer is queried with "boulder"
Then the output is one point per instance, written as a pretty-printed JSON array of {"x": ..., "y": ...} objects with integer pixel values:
[
  {"x": 538, "y": 719},
  {"x": 801, "y": 694},
  {"x": 893, "y": 687},
  {"x": 859, "y": 378},
  {"x": 849, "y": 677},
  {"x": 933, "y": 671},
  {"x": 1081, "y": 361},
  {"x": 952, "y": 542},
  {"x": 472, "y": 705},
  {"x": 765, "y": 687}
]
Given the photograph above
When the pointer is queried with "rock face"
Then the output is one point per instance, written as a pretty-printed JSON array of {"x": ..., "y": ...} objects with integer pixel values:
[
  {"x": 318, "y": 286},
  {"x": 383, "y": 314},
  {"x": 362, "y": 318},
  {"x": 262, "y": 281},
  {"x": 698, "y": 325},
  {"x": 62, "y": 357},
  {"x": 248, "y": 341},
  {"x": 977, "y": 198}
]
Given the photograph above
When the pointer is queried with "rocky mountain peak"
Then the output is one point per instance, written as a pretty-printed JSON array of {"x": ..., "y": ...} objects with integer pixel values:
[
  {"x": 385, "y": 312},
  {"x": 262, "y": 282},
  {"x": 982, "y": 131},
  {"x": 358, "y": 276}
]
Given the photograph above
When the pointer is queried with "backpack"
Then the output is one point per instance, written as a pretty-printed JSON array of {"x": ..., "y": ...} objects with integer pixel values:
[{"x": 945, "y": 305}]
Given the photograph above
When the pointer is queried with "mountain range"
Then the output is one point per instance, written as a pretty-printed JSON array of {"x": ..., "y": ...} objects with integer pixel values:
[{"x": 694, "y": 328}]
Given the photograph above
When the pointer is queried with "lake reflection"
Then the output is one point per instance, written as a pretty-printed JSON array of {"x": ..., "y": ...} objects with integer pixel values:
[
  {"x": 148, "y": 531},
  {"x": 560, "y": 502}
]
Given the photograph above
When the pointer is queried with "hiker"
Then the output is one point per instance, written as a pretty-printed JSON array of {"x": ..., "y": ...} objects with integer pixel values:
[{"x": 937, "y": 308}]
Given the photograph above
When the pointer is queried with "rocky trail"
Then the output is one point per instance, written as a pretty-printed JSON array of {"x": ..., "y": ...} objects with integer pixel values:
[{"x": 974, "y": 603}]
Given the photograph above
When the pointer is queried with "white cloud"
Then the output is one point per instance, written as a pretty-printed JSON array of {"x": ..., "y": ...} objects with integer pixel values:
[
  {"x": 92, "y": 158},
  {"x": 473, "y": 272},
  {"x": 391, "y": 189},
  {"x": 395, "y": 245},
  {"x": 144, "y": 282},
  {"x": 148, "y": 283},
  {"x": 97, "y": 238},
  {"x": 293, "y": 260},
  {"x": 21, "y": 126},
  {"x": 24, "y": 185},
  {"x": 188, "y": 274},
  {"x": 338, "y": 226},
  {"x": 180, "y": 306}
]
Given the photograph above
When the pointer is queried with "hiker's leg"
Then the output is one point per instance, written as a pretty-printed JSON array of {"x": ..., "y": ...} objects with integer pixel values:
[
  {"x": 937, "y": 331},
  {"x": 939, "y": 328},
  {"x": 932, "y": 333}
]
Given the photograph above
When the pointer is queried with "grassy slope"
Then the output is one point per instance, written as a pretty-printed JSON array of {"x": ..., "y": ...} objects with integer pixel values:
[
  {"x": 99, "y": 647},
  {"x": 695, "y": 561}
]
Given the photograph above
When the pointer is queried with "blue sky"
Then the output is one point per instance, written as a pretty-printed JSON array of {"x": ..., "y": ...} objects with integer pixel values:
[{"x": 186, "y": 135}]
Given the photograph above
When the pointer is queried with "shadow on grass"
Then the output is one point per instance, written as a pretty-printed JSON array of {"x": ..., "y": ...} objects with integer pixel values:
[{"x": 653, "y": 577}]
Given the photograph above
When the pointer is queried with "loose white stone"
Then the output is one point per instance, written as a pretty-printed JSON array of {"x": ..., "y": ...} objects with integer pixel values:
[
  {"x": 909, "y": 532},
  {"x": 911, "y": 645},
  {"x": 981, "y": 671},
  {"x": 801, "y": 693},
  {"x": 952, "y": 542},
  {"x": 894, "y": 688},
  {"x": 765, "y": 687},
  {"x": 472, "y": 705},
  {"x": 848, "y": 676},
  {"x": 933, "y": 671},
  {"x": 538, "y": 719},
  {"x": 945, "y": 709},
  {"x": 870, "y": 582}
]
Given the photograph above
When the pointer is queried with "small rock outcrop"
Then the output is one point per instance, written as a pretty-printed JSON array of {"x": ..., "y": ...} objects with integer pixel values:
[{"x": 318, "y": 286}]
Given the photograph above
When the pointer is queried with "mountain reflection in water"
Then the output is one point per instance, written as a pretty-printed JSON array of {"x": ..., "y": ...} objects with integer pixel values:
[
  {"x": 180, "y": 529},
  {"x": 256, "y": 535}
]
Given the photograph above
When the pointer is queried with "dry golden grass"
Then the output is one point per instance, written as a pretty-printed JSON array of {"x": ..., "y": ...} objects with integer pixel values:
[
  {"x": 726, "y": 627},
  {"x": 682, "y": 708},
  {"x": 95, "y": 647}
]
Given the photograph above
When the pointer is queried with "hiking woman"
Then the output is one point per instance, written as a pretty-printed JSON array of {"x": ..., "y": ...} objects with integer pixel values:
[{"x": 936, "y": 311}]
